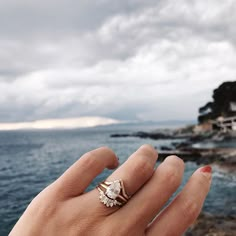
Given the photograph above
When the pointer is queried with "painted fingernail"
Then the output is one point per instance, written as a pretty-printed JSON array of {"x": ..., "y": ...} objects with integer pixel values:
[{"x": 206, "y": 170}]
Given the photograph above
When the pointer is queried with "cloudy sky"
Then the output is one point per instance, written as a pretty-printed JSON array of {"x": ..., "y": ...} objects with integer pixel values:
[{"x": 126, "y": 59}]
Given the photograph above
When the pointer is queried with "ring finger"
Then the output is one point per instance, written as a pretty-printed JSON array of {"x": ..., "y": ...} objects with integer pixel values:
[
  {"x": 134, "y": 173},
  {"x": 137, "y": 170}
]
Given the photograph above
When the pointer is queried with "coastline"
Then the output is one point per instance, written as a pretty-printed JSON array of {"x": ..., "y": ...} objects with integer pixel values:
[
  {"x": 212, "y": 225},
  {"x": 192, "y": 147},
  {"x": 59, "y": 149}
]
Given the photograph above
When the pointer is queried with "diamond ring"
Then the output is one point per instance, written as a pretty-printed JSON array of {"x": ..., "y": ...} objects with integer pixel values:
[{"x": 112, "y": 193}]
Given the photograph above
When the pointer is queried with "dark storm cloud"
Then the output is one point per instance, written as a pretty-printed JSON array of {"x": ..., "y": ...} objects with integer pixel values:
[{"x": 123, "y": 59}]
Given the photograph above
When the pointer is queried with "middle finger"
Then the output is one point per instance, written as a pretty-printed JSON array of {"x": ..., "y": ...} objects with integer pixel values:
[{"x": 145, "y": 205}]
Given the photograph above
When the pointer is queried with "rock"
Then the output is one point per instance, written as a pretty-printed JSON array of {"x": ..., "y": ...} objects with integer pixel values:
[
  {"x": 119, "y": 135},
  {"x": 151, "y": 135},
  {"x": 211, "y": 225},
  {"x": 166, "y": 148},
  {"x": 185, "y": 155},
  {"x": 223, "y": 157}
]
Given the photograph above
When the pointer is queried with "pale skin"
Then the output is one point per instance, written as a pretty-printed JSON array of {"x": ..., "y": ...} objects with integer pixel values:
[{"x": 63, "y": 208}]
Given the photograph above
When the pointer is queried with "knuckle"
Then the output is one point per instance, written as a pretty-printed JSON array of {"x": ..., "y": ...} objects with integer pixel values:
[
  {"x": 97, "y": 159},
  {"x": 50, "y": 210},
  {"x": 203, "y": 182},
  {"x": 127, "y": 229},
  {"x": 45, "y": 207},
  {"x": 107, "y": 149},
  {"x": 143, "y": 167},
  {"x": 148, "y": 150},
  {"x": 190, "y": 210},
  {"x": 171, "y": 174},
  {"x": 180, "y": 162},
  {"x": 177, "y": 160},
  {"x": 88, "y": 161}
]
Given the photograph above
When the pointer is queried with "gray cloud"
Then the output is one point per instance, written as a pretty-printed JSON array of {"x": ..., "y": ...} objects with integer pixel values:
[
  {"x": 55, "y": 17},
  {"x": 134, "y": 59}
]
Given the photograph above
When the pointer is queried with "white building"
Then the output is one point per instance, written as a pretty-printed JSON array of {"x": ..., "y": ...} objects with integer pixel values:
[{"x": 226, "y": 124}]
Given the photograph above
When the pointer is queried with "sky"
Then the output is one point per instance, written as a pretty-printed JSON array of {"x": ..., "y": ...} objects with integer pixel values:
[{"x": 126, "y": 60}]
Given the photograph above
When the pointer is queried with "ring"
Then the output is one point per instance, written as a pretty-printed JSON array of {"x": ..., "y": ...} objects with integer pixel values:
[{"x": 112, "y": 193}]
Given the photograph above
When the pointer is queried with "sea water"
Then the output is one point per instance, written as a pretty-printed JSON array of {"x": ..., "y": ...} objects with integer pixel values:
[{"x": 30, "y": 160}]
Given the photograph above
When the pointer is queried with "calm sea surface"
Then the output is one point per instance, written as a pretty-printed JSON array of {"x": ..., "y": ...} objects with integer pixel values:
[{"x": 30, "y": 160}]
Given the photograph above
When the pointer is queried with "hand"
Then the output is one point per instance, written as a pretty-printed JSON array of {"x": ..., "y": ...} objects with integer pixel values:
[{"x": 64, "y": 209}]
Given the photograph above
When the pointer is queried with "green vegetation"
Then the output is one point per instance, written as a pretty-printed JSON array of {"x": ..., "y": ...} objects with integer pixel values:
[{"x": 223, "y": 104}]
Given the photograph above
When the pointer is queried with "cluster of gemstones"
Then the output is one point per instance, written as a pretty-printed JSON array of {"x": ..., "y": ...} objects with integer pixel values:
[
  {"x": 106, "y": 201},
  {"x": 112, "y": 192}
]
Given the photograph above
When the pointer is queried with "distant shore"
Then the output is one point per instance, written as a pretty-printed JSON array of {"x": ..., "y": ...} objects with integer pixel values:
[{"x": 184, "y": 145}]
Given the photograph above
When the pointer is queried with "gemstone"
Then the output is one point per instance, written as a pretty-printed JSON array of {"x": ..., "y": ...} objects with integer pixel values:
[
  {"x": 105, "y": 200},
  {"x": 113, "y": 190}
]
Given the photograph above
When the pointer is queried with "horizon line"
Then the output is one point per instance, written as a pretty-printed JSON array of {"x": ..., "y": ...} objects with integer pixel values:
[{"x": 74, "y": 123}]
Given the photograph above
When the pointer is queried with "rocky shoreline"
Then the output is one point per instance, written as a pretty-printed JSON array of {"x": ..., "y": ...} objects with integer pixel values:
[
  {"x": 223, "y": 158},
  {"x": 211, "y": 225},
  {"x": 183, "y": 141}
]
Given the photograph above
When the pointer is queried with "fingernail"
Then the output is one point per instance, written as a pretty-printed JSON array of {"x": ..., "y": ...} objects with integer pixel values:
[{"x": 207, "y": 171}]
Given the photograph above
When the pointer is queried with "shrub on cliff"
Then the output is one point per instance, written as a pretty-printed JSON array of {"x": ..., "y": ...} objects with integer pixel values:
[{"x": 223, "y": 104}]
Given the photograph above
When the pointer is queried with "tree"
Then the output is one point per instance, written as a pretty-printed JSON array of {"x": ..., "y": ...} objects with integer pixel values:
[{"x": 223, "y": 99}]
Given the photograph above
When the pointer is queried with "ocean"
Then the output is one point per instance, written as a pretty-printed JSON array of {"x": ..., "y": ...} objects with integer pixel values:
[{"x": 31, "y": 160}]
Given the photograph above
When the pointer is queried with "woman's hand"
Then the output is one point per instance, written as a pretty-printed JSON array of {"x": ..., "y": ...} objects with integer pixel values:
[{"x": 64, "y": 209}]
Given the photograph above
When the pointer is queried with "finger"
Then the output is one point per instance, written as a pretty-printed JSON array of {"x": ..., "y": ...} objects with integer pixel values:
[
  {"x": 78, "y": 177},
  {"x": 137, "y": 169},
  {"x": 151, "y": 198},
  {"x": 134, "y": 173},
  {"x": 185, "y": 208}
]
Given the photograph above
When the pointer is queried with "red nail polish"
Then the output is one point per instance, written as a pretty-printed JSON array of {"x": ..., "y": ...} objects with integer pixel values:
[{"x": 206, "y": 169}]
